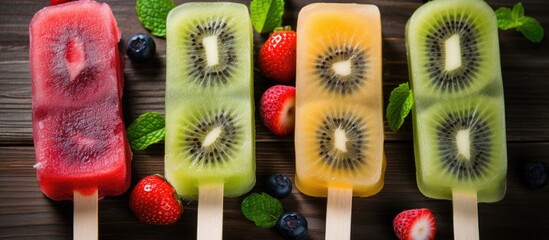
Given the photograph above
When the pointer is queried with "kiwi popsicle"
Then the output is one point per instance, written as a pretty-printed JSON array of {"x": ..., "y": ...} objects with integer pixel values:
[
  {"x": 82, "y": 152},
  {"x": 339, "y": 126},
  {"x": 459, "y": 119},
  {"x": 210, "y": 149}
]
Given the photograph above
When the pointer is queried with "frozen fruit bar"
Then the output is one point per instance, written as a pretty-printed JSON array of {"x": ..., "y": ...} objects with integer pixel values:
[
  {"x": 459, "y": 119},
  {"x": 76, "y": 72},
  {"x": 209, "y": 97},
  {"x": 210, "y": 147},
  {"x": 339, "y": 109},
  {"x": 459, "y": 109},
  {"x": 339, "y": 125}
]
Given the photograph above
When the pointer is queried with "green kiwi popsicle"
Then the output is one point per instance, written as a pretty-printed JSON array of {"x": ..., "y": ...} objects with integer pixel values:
[
  {"x": 459, "y": 119},
  {"x": 210, "y": 147}
]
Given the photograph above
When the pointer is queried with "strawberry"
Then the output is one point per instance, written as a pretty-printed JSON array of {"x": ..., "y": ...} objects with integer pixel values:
[
  {"x": 277, "y": 109},
  {"x": 55, "y": 2},
  {"x": 154, "y": 201},
  {"x": 415, "y": 224},
  {"x": 277, "y": 56}
]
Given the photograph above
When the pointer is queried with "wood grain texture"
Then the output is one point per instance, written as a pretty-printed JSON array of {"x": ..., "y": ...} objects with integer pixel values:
[{"x": 25, "y": 213}]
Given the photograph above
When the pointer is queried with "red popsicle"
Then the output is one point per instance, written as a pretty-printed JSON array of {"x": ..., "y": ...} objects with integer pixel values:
[{"x": 77, "y": 82}]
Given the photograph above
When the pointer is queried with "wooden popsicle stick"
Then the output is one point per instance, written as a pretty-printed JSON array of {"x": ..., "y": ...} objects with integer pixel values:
[
  {"x": 210, "y": 212},
  {"x": 338, "y": 213},
  {"x": 85, "y": 221},
  {"x": 465, "y": 210}
]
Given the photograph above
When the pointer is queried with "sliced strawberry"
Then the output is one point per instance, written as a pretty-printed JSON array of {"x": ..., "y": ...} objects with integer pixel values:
[
  {"x": 277, "y": 109},
  {"x": 154, "y": 201},
  {"x": 415, "y": 224}
]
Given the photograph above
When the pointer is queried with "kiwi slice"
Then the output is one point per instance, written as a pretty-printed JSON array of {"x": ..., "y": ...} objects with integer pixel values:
[
  {"x": 452, "y": 48},
  {"x": 342, "y": 141},
  {"x": 208, "y": 46},
  {"x": 210, "y": 143},
  {"x": 210, "y": 137},
  {"x": 341, "y": 69},
  {"x": 339, "y": 55},
  {"x": 339, "y": 145},
  {"x": 209, "y": 99},
  {"x": 463, "y": 146},
  {"x": 205, "y": 67}
]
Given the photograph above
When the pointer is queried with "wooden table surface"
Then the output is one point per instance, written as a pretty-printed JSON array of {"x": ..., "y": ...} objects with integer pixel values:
[{"x": 26, "y": 213}]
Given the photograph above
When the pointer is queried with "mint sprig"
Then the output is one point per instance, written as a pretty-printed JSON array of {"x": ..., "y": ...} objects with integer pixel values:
[
  {"x": 262, "y": 209},
  {"x": 152, "y": 14},
  {"x": 266, "y": 15},
  {"x": 514, "y": 18},
  {"x": 146, "y": 130},
  {"x": 401, "y": 102}
]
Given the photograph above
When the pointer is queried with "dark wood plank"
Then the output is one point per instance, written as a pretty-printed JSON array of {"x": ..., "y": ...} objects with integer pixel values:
[{"x": 25, "y": 212}]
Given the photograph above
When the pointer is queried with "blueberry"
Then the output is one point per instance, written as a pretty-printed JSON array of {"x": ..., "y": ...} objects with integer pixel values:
[
  {"x": 292, "y": 225},
  {"x": 535, "y": 174},
  {"x": 140, "y": 47},
  {"x": 279, "y": 186}
]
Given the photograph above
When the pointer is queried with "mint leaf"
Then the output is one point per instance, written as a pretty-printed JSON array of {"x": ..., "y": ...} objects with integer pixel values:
[
  {"x": 531, "y": 29},
  {"x": 153, "y": 13},
  {"x": 401, "y": 101},
  {"x": 518, "y": 11},
  {"x": 266, "y": 15},
  {"x": 505, "y": 19},
  {"x": 514, "y": 18},
  {"x": 146, "y": 130},
  {"x": 262, "y": 209}
]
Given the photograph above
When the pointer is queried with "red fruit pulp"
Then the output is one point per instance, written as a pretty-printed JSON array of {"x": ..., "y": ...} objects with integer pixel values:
[
  {"x": 277, "y": 109},
  {"x": 79, "y": 134}
]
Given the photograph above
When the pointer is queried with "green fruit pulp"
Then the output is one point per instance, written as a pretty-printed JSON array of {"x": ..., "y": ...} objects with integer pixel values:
[
  {"x": 483, "y": 96},
  {"x": 188, "y": 102},
  {"x": 473, "y": 24},
  {"x": 435, "y": 177}
]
